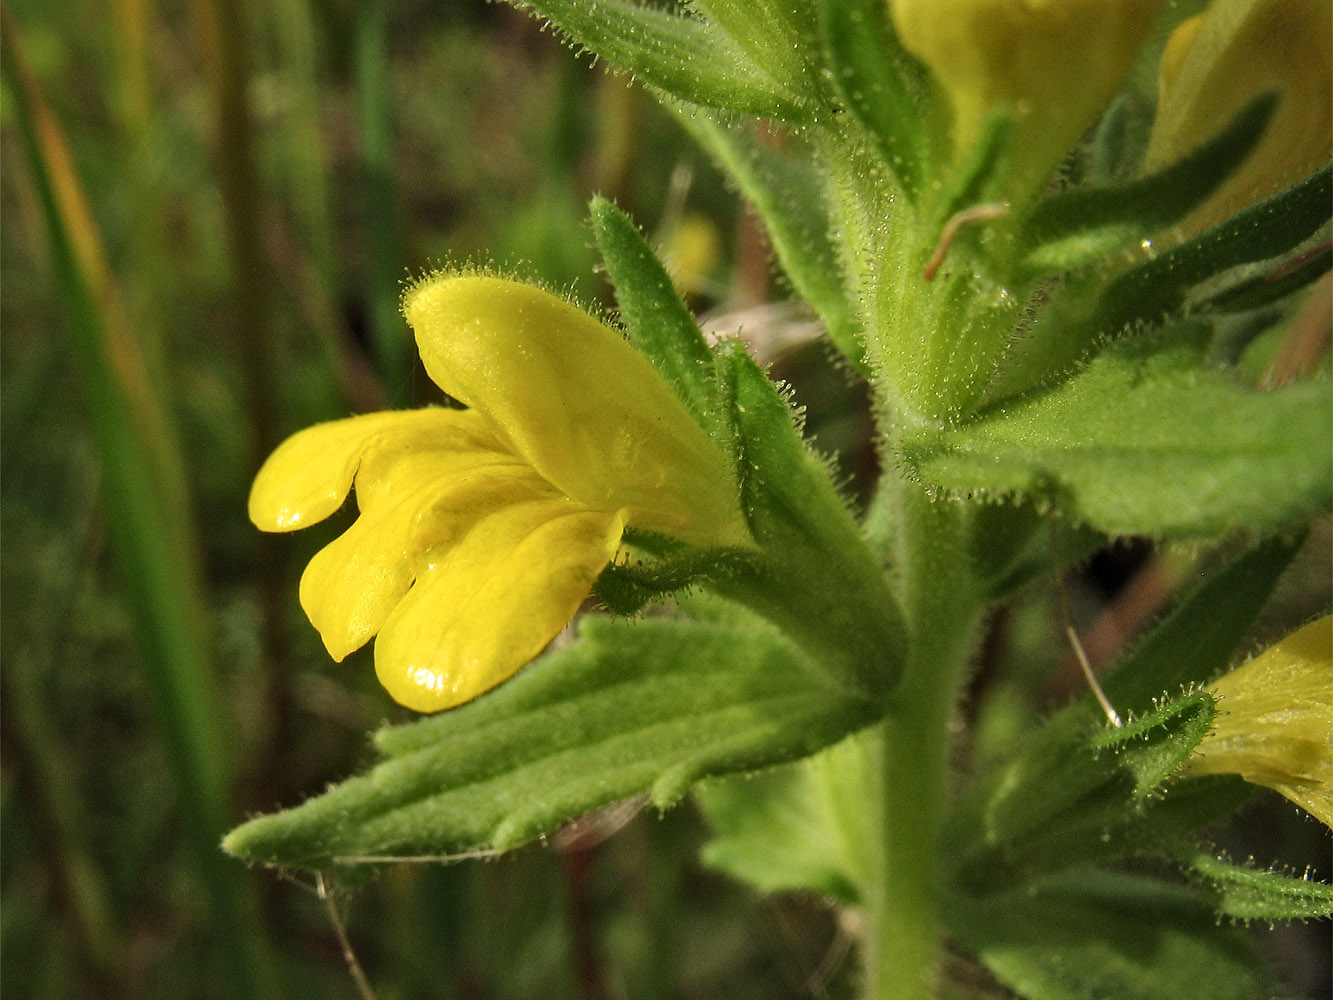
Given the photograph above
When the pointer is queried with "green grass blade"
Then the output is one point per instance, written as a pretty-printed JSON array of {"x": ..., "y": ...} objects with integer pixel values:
[{"x": 148, "y": 517}]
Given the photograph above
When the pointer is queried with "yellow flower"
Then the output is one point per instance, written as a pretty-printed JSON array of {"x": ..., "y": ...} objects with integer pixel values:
[
  {"x": 482, "y": 530},
  {"x": 1274, "y": 723},
  {"x": 1216, "y": 63},
  {"x": 1056, "y": 63}
]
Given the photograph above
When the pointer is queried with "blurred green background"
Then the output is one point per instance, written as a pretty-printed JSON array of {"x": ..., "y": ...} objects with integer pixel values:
[{"x": 208, "y": 210}]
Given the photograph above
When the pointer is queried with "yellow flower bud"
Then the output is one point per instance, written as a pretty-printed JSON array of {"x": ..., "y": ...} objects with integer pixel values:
[
  {"x": 481, "y": 531},
  {"x": 1216, "y": 63},
  {"x": 1056, "y": 63},
  {"x": 1274, "y": 723}
]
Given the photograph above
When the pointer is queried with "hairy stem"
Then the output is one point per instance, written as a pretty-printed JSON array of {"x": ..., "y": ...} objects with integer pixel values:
[{"x": 911, "y": 772}]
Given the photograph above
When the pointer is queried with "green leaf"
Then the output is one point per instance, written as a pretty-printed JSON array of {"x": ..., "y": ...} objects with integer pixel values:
[
  {"x": 777, "y": 36},
  {"x": 789, "y": 190},
  {"x": 779, "y": 830},
  {"x": 659, "y": 323},
  {"x": 1097, "y": 934},
  {"x": 690, "y": 59},
  {"x": 628, "y": 708},
  {"x": 1160, "y": 286},
  {"x": 879, "y": 83},
  {"x": 817, "y": 578},
  {"x": 1093, "y": 798},
  {"x": 1153, "y": 747},
  {"x": 1146, "y": 442},
  {"x": 1086, "y": 225},
  {"x": 1054, "y": 801},
  {"x": 1252, "y": 894}
]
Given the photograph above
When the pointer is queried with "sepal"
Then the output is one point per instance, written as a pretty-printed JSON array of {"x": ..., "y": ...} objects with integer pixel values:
[
  {"x": 1090, "y": 798},
  {"x": 1160, "y": 286},
  {"x": 1244, "y": 892},
  {"x": 627, "y": 586},
  {"x": 817, "y": 580},
  {"x": 1080, "y": 792},
  {"x": 656, "y": 319},
  {"x": 982, "y": 172}
]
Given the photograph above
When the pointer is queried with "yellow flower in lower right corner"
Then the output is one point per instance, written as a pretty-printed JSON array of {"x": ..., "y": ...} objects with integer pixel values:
[{"x": 1274, "y": 724}]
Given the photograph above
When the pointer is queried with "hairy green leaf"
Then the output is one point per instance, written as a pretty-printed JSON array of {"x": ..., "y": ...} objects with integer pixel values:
[
  {"x": 1098, "y": 934},
  {"x": 1013, "y": 543},
  {"x": 628, "y": 708},
  {"x": 1146, "y": 442},
  {"x": 1059, "y": 801},
  {"x": 776, "y": 36},
  {"x": 1086, "y": 224},
  {"x": 690, "y": 59},
  {"x": 1253, "y": 894},
  {"x": 817, "y": 578},
  {"x": 780, "y": 830}
]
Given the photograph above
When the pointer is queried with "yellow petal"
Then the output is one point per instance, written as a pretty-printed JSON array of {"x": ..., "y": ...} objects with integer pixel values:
[
  {"x": 1274, "y": 722},
  {"x": 309, "y": 475},
  {"x": 421, "y": 499},
  {"x": 577, "y": 402},
  {"x": 491, "y": 602},
  {"x": 1055, "y": 62},
  {"x": 1219, "y": 61}
]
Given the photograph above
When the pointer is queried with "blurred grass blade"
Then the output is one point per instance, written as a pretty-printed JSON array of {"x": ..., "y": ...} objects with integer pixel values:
[
  {"x": 147, "y": 512},
  {"x": 303, "y": 145},
  {"x": 390, "y": 343}
]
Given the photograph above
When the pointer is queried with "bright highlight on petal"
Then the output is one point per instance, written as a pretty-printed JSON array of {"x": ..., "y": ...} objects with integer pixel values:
[
  {"x": 481, "y": 531},
  {"x": 1274, "y": 722},
  {"x": 484, "y": 607}
]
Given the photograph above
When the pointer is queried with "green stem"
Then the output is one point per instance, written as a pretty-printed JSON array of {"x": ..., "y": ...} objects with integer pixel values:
[{"x": 912, "y": 758}]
